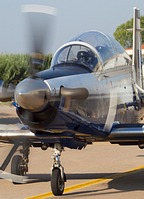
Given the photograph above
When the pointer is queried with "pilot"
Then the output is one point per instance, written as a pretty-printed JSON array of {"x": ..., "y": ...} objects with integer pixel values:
[{"x": 87, "y": 58}]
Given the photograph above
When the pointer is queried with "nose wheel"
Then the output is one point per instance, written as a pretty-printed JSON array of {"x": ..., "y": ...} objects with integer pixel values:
[
  {"x": 58, "y": 177},
  {"x": 57, "y": 182}
]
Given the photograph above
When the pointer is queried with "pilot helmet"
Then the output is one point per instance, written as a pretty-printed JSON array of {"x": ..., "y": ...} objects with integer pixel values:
[
  {"x": 83, "y": 55},
  {"x": 87, "y": 58}
]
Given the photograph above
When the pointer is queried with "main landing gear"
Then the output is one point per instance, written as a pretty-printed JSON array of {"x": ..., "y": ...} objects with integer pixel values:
[
  {"x": 19, "y": 164},
  {"x": 58, "y": 177}
]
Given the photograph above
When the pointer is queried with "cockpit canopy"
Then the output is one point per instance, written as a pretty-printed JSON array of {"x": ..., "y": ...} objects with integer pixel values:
[{"x": 89, "y": 49}]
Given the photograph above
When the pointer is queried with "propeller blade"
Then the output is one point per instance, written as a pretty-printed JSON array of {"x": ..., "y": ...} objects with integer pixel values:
[
  {"x": 75, "y": 93},
  {"x": 40, "y": 27},
  {"x": 112, "y": 111},
  {"x": 72, "y": 93},
  {"x": 40, "y": 21}
]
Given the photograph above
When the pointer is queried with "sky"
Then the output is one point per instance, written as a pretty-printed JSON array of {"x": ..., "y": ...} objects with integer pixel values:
[{"x": 73, "y": 18}]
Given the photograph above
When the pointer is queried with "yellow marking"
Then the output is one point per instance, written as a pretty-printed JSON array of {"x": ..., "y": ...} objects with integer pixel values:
[{"x": 89, "y": 183}]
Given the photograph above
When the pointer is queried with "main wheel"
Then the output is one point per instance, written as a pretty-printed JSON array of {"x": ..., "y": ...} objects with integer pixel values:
[
  {"x": 15, "y": 165},
  {"x": 57, "y": 183}
]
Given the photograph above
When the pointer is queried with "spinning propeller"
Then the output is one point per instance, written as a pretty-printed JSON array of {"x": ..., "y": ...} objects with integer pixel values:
[{"x": 40, "y": 21}]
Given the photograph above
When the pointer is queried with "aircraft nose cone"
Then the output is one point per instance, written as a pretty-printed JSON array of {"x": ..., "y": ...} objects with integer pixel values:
[{"x": 32, "y": 94}]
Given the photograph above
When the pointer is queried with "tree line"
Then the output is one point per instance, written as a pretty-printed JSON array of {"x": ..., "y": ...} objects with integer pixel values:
[
  {"x": 123, "y": 34},
  {"x": 16, "y": 67}
]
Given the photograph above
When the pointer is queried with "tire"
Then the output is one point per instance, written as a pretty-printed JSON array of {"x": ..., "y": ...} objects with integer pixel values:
[
  {"x": 15, "y": 169},
  {"x": 57, "y": 183}
]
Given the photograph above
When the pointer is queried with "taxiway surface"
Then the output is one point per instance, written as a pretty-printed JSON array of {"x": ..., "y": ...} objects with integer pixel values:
[{"x": 101, "y": 167}]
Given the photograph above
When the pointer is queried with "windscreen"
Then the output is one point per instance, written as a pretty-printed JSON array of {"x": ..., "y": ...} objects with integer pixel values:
[
  {"x": 106, "y": 46},
  {"x": 76, "y": 54}
]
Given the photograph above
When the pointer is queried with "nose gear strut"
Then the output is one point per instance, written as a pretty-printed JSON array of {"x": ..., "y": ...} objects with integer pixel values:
[{"x": 58, "y": 177}]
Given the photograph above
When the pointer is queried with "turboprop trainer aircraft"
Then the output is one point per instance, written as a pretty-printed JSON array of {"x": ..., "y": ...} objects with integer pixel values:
[{"x": 92, "y": 92}]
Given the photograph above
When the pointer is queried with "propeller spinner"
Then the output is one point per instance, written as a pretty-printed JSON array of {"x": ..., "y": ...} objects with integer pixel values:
[{"x": 32, "y": 94}]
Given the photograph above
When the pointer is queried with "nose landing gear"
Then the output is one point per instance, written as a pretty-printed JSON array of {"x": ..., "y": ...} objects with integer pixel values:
[{"x": 58, "y": 177}]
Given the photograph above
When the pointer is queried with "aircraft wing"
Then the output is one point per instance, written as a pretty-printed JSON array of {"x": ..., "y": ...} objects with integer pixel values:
[
  {"x": 12, "y": 133},
  {"x": 78, "y": 134}
]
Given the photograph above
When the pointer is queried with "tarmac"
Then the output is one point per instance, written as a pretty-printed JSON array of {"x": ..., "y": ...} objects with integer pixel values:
[{"x": 100, "y": 170}]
